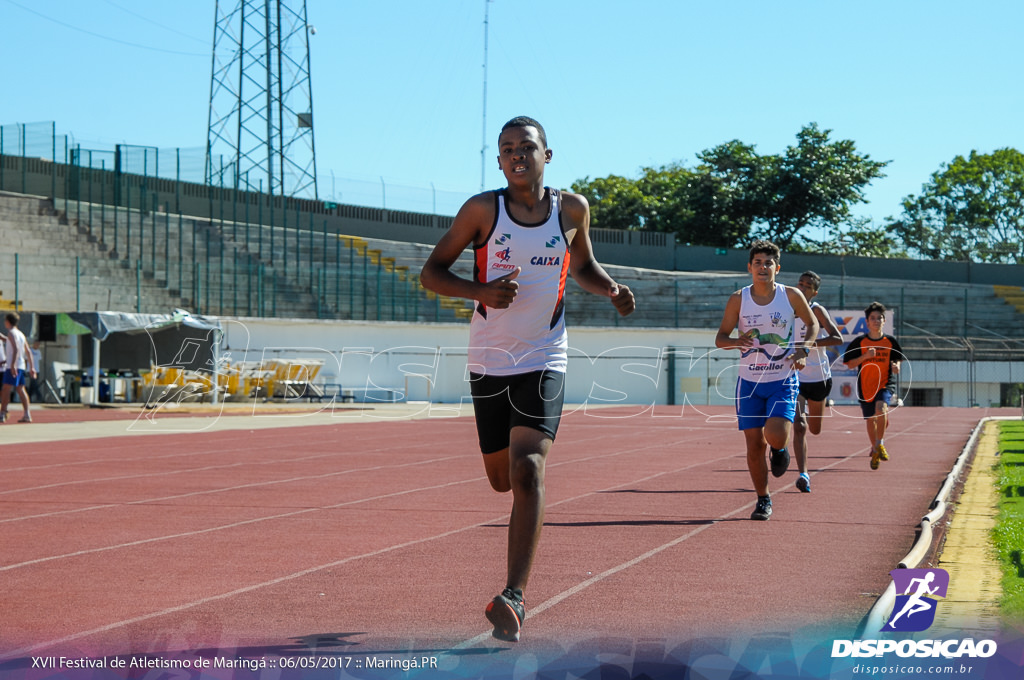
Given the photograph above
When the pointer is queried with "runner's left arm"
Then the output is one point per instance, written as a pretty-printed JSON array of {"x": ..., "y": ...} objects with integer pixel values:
[
  {"x": 895, "y": 356},
  {"x": 835, "y": 336},
  {"x": 803, "y": 311}
]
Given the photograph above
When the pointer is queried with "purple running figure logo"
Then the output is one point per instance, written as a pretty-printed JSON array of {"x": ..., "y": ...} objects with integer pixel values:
[{"x": 916, "y": 590}]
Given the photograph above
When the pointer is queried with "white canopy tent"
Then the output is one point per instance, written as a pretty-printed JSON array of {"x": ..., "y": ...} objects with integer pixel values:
[{"x": 102, "y": 326}]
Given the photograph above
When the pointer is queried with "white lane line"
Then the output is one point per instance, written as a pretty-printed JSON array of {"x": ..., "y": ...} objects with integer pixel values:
[
  {"x": 256, "y": 520},
  {"x": 227, "y": 489},
  {"x": 158, "y": 499},
  {"x": 583, "y": 585},
  {"x": 312, "y": 570}
]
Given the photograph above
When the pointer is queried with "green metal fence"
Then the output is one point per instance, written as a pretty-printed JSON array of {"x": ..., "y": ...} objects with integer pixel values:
[
  {"x": 124, "y": 229},
  {"x": 140, "y": 259},
  {"x": 114, "y": 239},
  {"x": 41, "y": 140}
]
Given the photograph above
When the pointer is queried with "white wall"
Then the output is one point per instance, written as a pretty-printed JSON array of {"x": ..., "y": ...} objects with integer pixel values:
[
  {"x": 428, "y": 360},
  {"x": 952, "y": 377}
]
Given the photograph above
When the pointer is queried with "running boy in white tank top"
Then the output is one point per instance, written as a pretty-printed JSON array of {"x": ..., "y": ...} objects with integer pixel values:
[
  {"x": 815, "y": 377},
  {"x": 770, "y": 353},
  {"x": 525, "y": 238}
]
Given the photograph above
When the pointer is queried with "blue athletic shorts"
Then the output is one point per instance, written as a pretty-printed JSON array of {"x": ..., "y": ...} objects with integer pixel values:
[
  {"x": 14, "y": 380},
  {"x": 868, "y": 407},
  {"x": 756, "y": 402}
]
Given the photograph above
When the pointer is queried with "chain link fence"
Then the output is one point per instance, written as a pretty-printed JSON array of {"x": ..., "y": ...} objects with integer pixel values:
[
  {"x": 111, "y": 235},
  {"x": 187, "y": 164}
]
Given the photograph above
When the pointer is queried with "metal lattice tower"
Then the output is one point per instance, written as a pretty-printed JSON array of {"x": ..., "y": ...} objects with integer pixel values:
[{"x": 260, "y": 131}]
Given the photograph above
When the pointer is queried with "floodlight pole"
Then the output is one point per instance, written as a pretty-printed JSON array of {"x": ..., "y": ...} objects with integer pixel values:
[{"x": 483, "y": 147}]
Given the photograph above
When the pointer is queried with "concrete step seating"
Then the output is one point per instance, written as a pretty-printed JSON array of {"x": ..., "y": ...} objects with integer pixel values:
[
  {"x": 359, "y": 282},
  {"x": 196, "y": 261},
  {"x": 224, "y": 265},
  {"x": 48, "y": 252},
  {"x": 1013, "y": 295},
  {"x": 301, "y": 263},
  {"x": 697, "y": 299},
  {"x": 191, "y": 256}
]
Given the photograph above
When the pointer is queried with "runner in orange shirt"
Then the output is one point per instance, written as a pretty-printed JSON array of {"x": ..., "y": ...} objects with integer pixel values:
[{"x": 877, "y": 357}]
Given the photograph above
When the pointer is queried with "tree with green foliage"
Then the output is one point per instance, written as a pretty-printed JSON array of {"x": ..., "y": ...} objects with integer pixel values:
[
  {"x": 697, "y": 206},
  {"x": 971, "y": 209},
  {"x": 814, "y": 184},
  {"x": 735, "y": 194},
  {"x": 725, "y": 196},
  {"x": 665, "y": 197},
  {"x": 860, "y": 238},
  {"x": 615, "y": 202}
]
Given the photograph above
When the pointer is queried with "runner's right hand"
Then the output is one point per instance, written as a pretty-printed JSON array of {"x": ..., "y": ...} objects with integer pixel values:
[{"x": 500, "y": 292}]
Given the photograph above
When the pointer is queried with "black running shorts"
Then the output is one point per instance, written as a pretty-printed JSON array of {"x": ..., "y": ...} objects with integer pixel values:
[
  {"x": 816, "y": 391},
  {"x": 501, "y": 402}
]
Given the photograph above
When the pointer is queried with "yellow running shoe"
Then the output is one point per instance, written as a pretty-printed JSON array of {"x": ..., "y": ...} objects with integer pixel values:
[
  {"x": 874, "y": 458},
  {"x": 882, "y": 453}
]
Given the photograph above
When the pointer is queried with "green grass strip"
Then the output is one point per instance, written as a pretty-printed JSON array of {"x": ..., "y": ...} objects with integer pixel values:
[{"x": 1008, "y": 534}]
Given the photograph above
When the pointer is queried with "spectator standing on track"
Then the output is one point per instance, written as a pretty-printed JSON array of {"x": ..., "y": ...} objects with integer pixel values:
[
  {"x": 877, "y": 358},
  {"x": 815, "y": 377},
  {"x": 770, "y": 352},
  {"x": 35, "y": 390},
  {"x": 522, "y": 237},
  {"x": 19, "y": 361}
]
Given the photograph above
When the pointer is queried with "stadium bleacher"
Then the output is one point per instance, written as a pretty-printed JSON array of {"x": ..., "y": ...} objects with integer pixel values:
[{"x": 153, "y": 261}]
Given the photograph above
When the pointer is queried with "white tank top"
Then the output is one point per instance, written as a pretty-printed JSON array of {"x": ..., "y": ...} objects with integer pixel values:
[
  {"x": 529, "y": 335},
  {"x": 16, "y": 337},
  {"x": 772, "y": 328},
  {"x": 817, "y": 368}
]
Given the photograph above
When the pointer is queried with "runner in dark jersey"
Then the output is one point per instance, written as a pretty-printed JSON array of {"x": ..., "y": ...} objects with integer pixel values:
[{"x": 877, "y": 357}]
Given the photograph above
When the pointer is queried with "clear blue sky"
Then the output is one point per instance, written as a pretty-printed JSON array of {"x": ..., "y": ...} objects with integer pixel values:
[{"x": 398, "y": 84}]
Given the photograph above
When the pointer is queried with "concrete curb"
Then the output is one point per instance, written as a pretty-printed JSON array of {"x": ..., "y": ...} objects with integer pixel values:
[{"x": 880, "y": 611}]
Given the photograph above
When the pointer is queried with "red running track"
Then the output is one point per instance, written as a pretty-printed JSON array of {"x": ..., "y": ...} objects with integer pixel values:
[{"x": 385, "y": 537}]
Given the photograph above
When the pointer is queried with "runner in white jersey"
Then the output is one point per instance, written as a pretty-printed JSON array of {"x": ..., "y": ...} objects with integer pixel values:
[
  {"x": 818, "y": 367},
  {"x": 765, "y": 313},
  {"x": 815, "y": 377},
  {"x": 771, "y": 327},
  {"x": 522, "y": 238},
  {"x": 529, "y": 335}
]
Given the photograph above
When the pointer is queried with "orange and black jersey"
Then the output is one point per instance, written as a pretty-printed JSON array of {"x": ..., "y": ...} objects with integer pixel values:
[{"x": 874, "y": 374}]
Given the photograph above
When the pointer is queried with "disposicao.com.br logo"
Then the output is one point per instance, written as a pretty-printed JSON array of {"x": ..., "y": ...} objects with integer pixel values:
[{"x": 913, "y": 612}]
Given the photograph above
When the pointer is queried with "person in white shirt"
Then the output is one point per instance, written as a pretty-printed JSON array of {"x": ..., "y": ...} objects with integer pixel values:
[
  {"x": 815, "y": 377},
  {"x": 19, "y": 363},
  {"x": 771, "y": 353},
  {"x": 526, "y": 239},
  {"x": 35, "y": 388}
]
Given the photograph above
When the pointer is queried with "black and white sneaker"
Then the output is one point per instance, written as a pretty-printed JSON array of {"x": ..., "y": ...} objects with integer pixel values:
[
  {"x": 506, "y": 612},
  {"x": 764, "y": 508},
  {"x": 780, "y": 462},
  {"x": 803, "y": 482}
]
